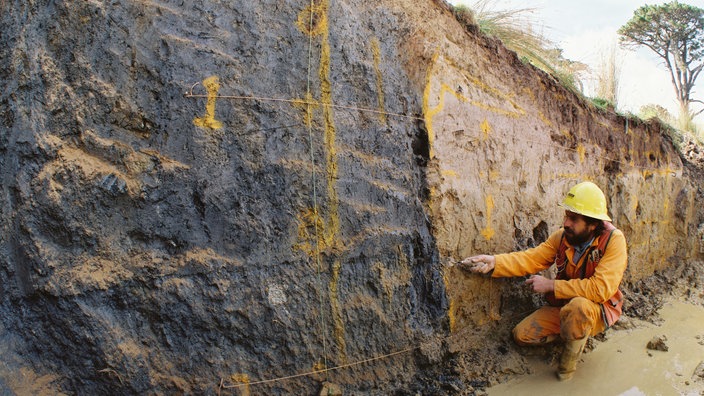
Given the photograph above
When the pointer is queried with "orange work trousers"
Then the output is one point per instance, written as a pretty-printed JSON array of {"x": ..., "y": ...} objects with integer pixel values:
[{"x": 575, "y": 320}]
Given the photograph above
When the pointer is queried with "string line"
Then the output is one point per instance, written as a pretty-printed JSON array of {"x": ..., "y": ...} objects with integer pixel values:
[
  {"x": 323, "y": 370},
  {"x": 309, "y": 120},
  {"x": 461, "y": 332},
  {"x": 304, "y": 102},
  {"x": 366, "y": 109}
]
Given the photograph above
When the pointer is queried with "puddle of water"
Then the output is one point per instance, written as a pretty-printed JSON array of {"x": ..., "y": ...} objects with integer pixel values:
[{"x": 623, "y": 366}]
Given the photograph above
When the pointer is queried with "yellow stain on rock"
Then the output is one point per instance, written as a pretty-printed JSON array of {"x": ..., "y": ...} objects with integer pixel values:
[
  {"x": 430, "y": 112},
  {"x": 376, "y": 51},
  {"x": 634, "y": 202},
  {"x": 212, "y": 85},
  {"x": 488, "y": 231},
  {"x": 319, "y": 366},
  {"x": 308, "y": 105},
  {"x": 449, "y": 173},
  {"x": 241, "y": 379},
  {"x": 582, "y": 151},
  {"x": 313, "y": 21},
  {"x": 452, "y": 308},
  {"x": 310, "y": 226},
  {"x": 485, "y": 128},
  {"x": 545, "y": 120},
  {"x": 332, "y": 229}
]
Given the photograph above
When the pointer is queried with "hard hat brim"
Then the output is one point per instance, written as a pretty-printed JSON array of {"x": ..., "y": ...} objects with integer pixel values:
[{"x": 598, "y": 216}]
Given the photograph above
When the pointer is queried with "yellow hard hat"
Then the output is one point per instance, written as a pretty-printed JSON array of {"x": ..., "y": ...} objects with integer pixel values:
[{"x": 587, "y": 199}]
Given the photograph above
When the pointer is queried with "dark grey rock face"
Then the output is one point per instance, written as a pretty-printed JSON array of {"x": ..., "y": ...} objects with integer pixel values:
[
  {"x": 143, "y": 253},
  {"x": 198, "y": 195}
]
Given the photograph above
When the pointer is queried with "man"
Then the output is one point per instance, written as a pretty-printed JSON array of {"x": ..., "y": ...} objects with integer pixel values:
[{"x": 583, "y": 299}]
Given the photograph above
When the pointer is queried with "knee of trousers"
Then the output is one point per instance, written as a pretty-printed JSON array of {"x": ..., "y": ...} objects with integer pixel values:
[
  {"x": 530, "y": 332},
  {"x": 577, "y": 318},
  {"x": 520, "y": 336}
]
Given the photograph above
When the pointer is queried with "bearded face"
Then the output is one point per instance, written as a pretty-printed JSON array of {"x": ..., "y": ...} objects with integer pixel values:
[{"x": 577, "y": 230}]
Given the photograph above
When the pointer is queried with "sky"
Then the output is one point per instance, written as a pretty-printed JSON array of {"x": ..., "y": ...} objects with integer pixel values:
[{"x": 586, "y": 30}]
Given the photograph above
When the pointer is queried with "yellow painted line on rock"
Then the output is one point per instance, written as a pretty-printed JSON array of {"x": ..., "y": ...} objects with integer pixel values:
[
  {"x": 430, "y": 112},
  {"x": 330, "y": 227},
  {"x": 488, "y": 231},
  {"x": 451, "y": 309},
  {"x": 212, "y": 86},
  {"x": 582, "y": 151},
  {"x": 485, "y": 128},
  {"x": 243, "y": 381},
  {"x": 545, "y": 119},
  {"x": 449, "y": 173}
]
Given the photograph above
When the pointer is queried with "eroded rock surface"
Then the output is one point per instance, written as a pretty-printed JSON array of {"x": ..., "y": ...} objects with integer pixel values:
[{"x": 156, "y": 242}]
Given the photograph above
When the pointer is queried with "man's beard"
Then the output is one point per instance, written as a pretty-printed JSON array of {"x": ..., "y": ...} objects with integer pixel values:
[{"x": 577, "y": 239}]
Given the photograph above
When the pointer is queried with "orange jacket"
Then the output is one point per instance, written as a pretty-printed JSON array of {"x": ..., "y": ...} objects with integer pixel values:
[{"x": 598, "y": 288}]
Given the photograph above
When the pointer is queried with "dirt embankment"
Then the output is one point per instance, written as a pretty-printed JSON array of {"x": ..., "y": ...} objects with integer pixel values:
[{"x": 292, "y": 213}]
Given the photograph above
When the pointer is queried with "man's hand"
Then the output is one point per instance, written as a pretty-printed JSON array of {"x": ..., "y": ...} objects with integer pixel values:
[
  {"x": 482, "y": 263},
  {"x": 541, "y": 284}
]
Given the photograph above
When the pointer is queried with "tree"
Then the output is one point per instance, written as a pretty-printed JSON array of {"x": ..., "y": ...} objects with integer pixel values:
[{"x": 675, "y": 32}]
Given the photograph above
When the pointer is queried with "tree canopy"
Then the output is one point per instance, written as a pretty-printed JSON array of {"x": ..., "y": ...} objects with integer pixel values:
[{"x": 675, "y": 32}]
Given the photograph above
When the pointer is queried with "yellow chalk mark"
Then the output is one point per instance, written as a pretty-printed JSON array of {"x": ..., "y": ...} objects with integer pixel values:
[
  {"x": 666, "y": 205},
  {"x": 565, "y": 132},
  {"x": 582, "y": 151},
  {"x": 545, "y": 119},
  {"x": 308, "y": 105},
  {"x": 430, "y": 112},
  {"x": 338, "y": 324},
  {"x": 432, "y": 192},
  {"x": 310, "y": 225},
  {"x": 666, "y": 171},
  {"x": 241, "y": 379},
  {"x": 496, "y": 93},
  {"x": 493, "y": 174},
  {"x": 449, "y": 173},
  {"x": 212, "y": 86},
  {"x": 329, "y": 227},
  {"x": 376, "y": 51},
  {"x": 529, "y": 93},
  {"x": 634, "y": 202},
  {"x": 427, "y": 111},
  {"x": 574, "y": 176},
  {"x": 319, "y": 19},
  {"x": 332, "y": 228},
  {"x": 485, "y": 128},
  {"x": 452, "y": 309},
  {"x": 488, "y": 232},
  {"x": 319, "y": 366}
]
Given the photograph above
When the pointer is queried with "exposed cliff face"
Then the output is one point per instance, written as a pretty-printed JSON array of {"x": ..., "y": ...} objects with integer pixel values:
[
  {"x": 292, "y": 213},
  {"x": 507, "y": 144}
]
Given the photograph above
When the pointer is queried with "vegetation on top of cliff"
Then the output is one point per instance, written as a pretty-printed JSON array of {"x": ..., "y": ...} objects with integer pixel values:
[{"x": 516, "y": 33}]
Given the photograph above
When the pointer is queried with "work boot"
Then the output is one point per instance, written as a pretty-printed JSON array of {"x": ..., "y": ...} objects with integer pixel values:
[{"x": 568, "y": 359}]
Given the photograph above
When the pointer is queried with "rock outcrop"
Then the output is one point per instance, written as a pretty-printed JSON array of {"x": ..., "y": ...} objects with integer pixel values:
[{"x": 199, "y": 195}]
